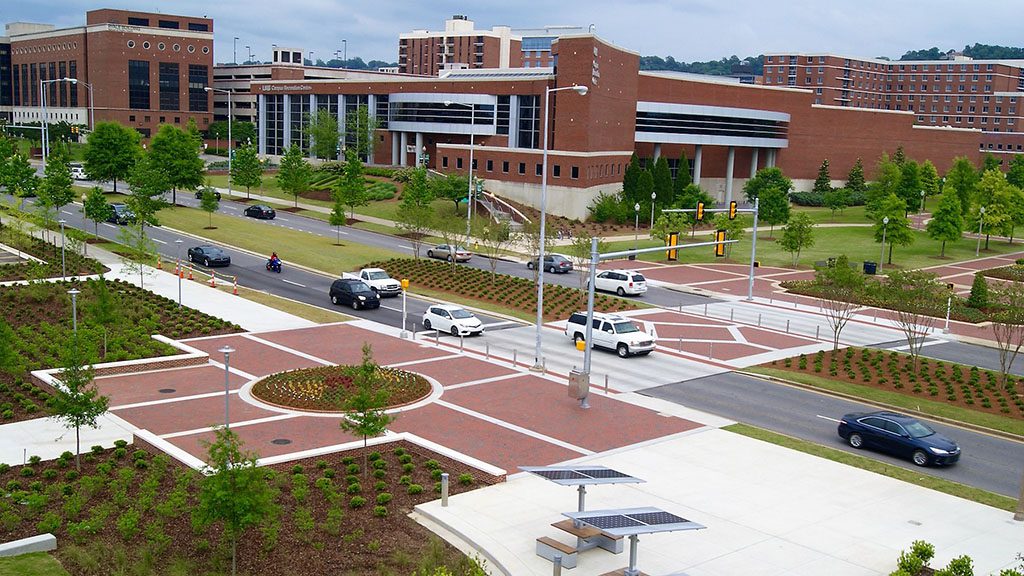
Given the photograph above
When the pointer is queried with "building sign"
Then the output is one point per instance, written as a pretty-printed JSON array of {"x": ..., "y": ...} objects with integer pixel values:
[
  {"x": 595, "y": 71},
  {"x": 125, "y": 28},
  {"x": 285, "y": 87}
]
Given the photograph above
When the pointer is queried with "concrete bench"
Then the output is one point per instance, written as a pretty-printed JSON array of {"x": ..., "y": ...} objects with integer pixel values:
[
  {"x": 41, "y": 543},
  {"x": 549, "y": 547}
]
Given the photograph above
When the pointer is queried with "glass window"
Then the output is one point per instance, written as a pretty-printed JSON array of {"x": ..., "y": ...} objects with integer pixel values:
[
  {"x": 529, "y": 122},
  {"x": 170, "y": 97},
  {"x": 173, "y": 24},
  {"x": 138, "y": 84},
  {"x": 138, "y": 21},
  {"x": 198, "y": 80},
  {"x": 198, "y": 27}
]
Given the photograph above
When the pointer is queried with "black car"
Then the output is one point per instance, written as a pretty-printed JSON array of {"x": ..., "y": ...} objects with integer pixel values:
[
  {"x": 199, "y": 194},
  {"x": 899, "y": 435},
  {"x": 261, "y": 211},
  {"x": 121, "y": 214},
  {"x": 553, "y": 263},
  {"x": 208, "y": 256},
  {"x": 354, "y": 293}
]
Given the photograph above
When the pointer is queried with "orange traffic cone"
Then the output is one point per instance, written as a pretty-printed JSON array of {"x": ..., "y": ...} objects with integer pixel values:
[
  {"x": 235, "y": 289},
  {"x": 213, "y": 280},
  {"x": 158, "y": 265},
  {"x": 190, "y": 272}
]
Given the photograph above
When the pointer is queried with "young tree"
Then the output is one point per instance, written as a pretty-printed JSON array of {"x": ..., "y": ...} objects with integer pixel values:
[
  {"x": 855, "y": 179},
  {"x": 767, "y": 179},
  {"x": 797, "y": 235},
  {"x": 773, "y": 208},
  {"x": 139, "y": 250},
  {"x": 734, "y": 229},
  {"x": 294, "y": 173},
  {"x": 351, "y": 187},
  {"x": 529, "y": 237},
  {"x": 887, "y": 182},
  {"x": 978, "y": 298},
  {"x": 916, "y": 298},
  {"x": 899, "y": 157},
  {"x": 234, "y": 491},
  {"x": 104, "y": 309},
  {"x": 176, "y": 153},
  {"x": 929, "y": 180},
  {"x": 96, "y": 208},
  {"x": 837, "y": 199},
  {"x": 688, "y": 200},
  {"x": 579, "y": 253},
  {"x": 149, "y": 183},
  {"x": 898, "y": 231},
  {"x": 947, "y": 223},
  {"x": 683, "y": 178},
  {"x": 452, "y": 187},
  {"x": 630, "y": 178},
  {"x": 823, "y": 183},
  {"x": 208, "y": 203},
  {"x": 55, "y": 191},
  {"x": 963, "y": 179},
  {"x": 909, "y": 189},
  {"x": 644, "y": 188},
  {"x": 841, "y": 288},
  {"x": 995, "y": 195},
  {"x": 337, "y": 217},
  {"x": 111, "y": 152},
  {"x": 452, "y": 230},
  {"x": 1015, "y": 175},
  {"x": 20, "y": 179},
  {"x": 1008, "y": 325},
  {"x": 322, "y": 130},
  {"x": 359, "y": 128},
  {"x": 365, "y": 414},
  {"x": 415, "y": 214},
  {"x": 246, "y": 169},
  {"x": 76, "y": 402},
  {"x": 493, "y": 237},
  {"x": 662, "y": 183}
]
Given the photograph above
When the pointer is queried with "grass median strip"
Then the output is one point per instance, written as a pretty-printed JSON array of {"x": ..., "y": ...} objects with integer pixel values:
[
  {"x": 912, "y": 476},
  {"x": 33, "y": 564}
]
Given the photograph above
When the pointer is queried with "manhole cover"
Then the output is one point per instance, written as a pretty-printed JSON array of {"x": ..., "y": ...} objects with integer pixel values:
[
  {"x": 280, "y": 441},
  {"x": 167, "y": 390}
]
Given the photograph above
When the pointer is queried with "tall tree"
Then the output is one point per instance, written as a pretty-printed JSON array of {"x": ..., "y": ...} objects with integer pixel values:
[
  {"x": 322, "y": 130},
  {"x": 76, "y": 402},
  {"x": 351, "y": 187},
  {"x": 294, "y": 174},
  {"x": 235, "y": 490},
  {"x": 630, "y": 179},
  {"x": 359, "y": 128},
  {"x": 365, "y": 414},
  {"x": 1015, "y": 175},
  {"x": 897, "y": 232},
  {"x": 989, "y": 162},
  {"x": 947, "y": 222},
  {"x": 96, "y": 208},
  {"x": 887, "y": 182},
  {"x": 662, "y": 183},
  {"x": 929, "y": 180},
  {"x": 840, "y": 287},
  {"x": 823, "y": 183},
  {"x": 962, "y": 178},
  {"x": 644, "y": 188},
  {"x": 797, "y": 235},
  {"x": 683, "y": 178},
  {"x": 209, "y": 203},
  {"x": 995, "y": 195},
  {"x": 899, "y": 157},
  {"x": 176, "y": 153},
  {"x": 111, "y": 152},
  {"x": 773, "y": 208},
  {"x": 855, "y": 179},
  {"x": 765, "y": 179},
  {"x": 451, "y": 186},
  {"x": 246, "y": 168},
  {"x": 910, "y": 185},
  {"x": 20, "y": 178}
]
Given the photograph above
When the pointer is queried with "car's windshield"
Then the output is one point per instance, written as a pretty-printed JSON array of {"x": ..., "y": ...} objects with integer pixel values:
[
  {"x": 625, "y": 327},
  {"x": 377, "y": 275},
  {"x": 360, "y": 288},
  {"x": 461, "y": 314},
  {"x": 918, "y": 429}
]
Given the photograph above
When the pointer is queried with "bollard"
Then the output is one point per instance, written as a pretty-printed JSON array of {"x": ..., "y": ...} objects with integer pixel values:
[
  {"x": 795, "y": 302},
  {"x": 487, "y": 350},
  {"x": 437, "y": 338},
  {"x": 787, "y": 326},
  {"x": 759, "y": 319},
  {"x": 605, "y": 383},
  {"x": 711, "y": 350},
  {"x": 680, "y": 306},
  {"x": 461, "y": 342},
  {"x": 680, "y": 345},
  {"x": 705, "y": 309},
  {"x": 817, "y": 332},
  {"x": 732, "y": 312},
  {"x": 543, "y": 365},
  {"x": 514, "y": 354},
  {"x": 444, "y": 489},
  {"x": 557, "y": 563}
]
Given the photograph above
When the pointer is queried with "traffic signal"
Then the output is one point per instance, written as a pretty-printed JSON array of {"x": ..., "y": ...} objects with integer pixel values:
[
  {"x": 720, "y": 246},
  {"x": 74, "y": 129},
  {"x": 700, "y": 211},
  {"x": 673, "y": 240},
  {"x": 732, "y": 210}
]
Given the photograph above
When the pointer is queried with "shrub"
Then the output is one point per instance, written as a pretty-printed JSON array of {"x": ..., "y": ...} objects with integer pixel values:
[
  {"x": 400, "y": 452},
  {"x": 297, "y": 469},
  {"x": 347, "y": 460},
  {"x": 329, "y": 472},
  {"x": 417, "y": 489},
  {"x": 436, "y": 474},
  {"x": 50, "y": 473},
  {"x": 128, "y": 524},
  {"x": 380, "y": 486},
  {"x": 4, "y": 467},
  {"x": 380, "y": 473},
  {"x": 979, "y": 292},
  {"x": 431, "y": 464},
  {"x": 383, "y": 498},
  {"x": 321, "y": 464},
  {"x": 404, "y": 458},
  {"x": 120, "y": 453},
  {"x": 27, "y": 471},
  {"x": 71, "y": 475},
  {"x": 97, "y": 449},
  {"x": 34, "y": 460},
  {"x": 49, "y": 524},
  {"x": 357, "y": 502},
  {"x": 354, "y": 488},
  {"x": 379, "y": 464},
  {"x": 139, "y": 454},
  {"x": 380, "y": 511},
  {"x": 352, "y": 469},
  {"x": 408, "y": 467}
]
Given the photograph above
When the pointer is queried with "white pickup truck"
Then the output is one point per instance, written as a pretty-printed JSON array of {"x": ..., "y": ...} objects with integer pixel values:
[{"x": 378, "y": 280}]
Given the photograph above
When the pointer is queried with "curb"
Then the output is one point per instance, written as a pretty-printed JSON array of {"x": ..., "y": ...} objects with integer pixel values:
[{"x": 884, "y": 406}]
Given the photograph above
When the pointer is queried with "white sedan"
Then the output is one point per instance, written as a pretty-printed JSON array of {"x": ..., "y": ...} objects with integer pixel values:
[{"x": 453, "y": 319}]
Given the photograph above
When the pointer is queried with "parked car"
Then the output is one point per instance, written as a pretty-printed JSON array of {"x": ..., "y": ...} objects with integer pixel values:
[
  {"x": 898, "y": 435},
  {"x": 208, "y": 256},
  {"x": 261, "y": 211},
  {"x": 611, "y": 331},
  {"x": 354, "y": 293},
  {"x": 452, "y": 319},
  {"x": 622, "y": 282},
  {"x": 446, "y": 252},
  {"x": 78, "y": 171},
  {"x": 199, "y": 194},
  {"x": 554, "y": 263},
  {"x": 121, "y": 214}
]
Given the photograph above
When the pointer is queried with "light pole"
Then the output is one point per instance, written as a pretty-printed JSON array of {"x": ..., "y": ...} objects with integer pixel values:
[
  {"x": 230, "y": 122},
  {"x": 89, "y": 86},
  {"x": 922, "y": 200},
  {"x": 63, "y": 268},
  {"x": 249, "y": 59},
  {"x": 881, "y": 257},
  {"x": 469, "y": 193},
  {"x": 312, "y": 62},
  {"x": 177, "y": 246},
  {"x": 45, "y": 122},
  {"x": 344, "y": 47},
  {"x": 227, "y": 350},
  {"x": 636, "y": 230},
  {"x": 654, "y": 196},
  {"x": 981, "y": 222},
  {"x": 74, "y": 308},
  {"x": 234, "y": 51},
  {"x": 582, "y": 91}
]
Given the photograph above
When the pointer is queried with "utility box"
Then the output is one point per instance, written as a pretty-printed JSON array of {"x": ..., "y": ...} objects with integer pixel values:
[
  {"x": 870, "y": 268},
  {"x": 579, "y": 384}
]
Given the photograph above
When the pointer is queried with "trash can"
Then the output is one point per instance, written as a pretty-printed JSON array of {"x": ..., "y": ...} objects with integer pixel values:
[{"x": 870, "y": 267}]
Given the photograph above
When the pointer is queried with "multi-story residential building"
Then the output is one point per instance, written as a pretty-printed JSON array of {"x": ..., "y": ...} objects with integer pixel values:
[{"x": 144, "y": 69}]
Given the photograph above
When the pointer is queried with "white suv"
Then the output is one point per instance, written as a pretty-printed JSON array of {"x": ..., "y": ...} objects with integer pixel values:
[
  {"x": 454, "y": 319},
  {"x": 621, "y": 282},
  {"x": 611, "y": 331}
]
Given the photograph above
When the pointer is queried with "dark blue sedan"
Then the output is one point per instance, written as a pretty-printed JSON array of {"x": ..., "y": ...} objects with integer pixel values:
[{"x": 898, "y": 435}]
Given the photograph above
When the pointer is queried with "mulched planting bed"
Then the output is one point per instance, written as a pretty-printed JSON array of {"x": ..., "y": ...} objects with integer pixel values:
[
  {"x": 129, "y": 512},
  {"x": 74, "y": 263},
  {"x": 328, "y": 388},
  {"x": 1014, "y": 273},
  {"x": 953, "y": 384},
  {"x": 511, "y": 291},
  {"x": 40, "y": 316}
]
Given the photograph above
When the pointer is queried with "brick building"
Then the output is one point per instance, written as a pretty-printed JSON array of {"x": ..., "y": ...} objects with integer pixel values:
[{"x": 145, "y": 69}]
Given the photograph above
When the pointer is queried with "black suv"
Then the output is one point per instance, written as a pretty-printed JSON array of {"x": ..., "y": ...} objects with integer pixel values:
[
  {"x": 353, "y": 292},
  {"x": 121, "y": 214},
  {"x": 261, "y": 211}
]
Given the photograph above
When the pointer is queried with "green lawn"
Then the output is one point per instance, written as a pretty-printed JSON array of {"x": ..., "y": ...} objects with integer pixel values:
[
  {"x": 851, "y": 215},
  {"x": 302, "y": 248},
  {"x": 34, "y": 564}
]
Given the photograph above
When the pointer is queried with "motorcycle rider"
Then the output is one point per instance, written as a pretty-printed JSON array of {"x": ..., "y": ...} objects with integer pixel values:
[{"x": 274, "y": 261}]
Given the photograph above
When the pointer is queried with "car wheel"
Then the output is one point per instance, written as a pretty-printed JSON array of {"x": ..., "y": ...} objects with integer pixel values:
[
  {"x": 355, "y": 304},
  {"x": 455, "y": 330},
  {"x": 551, "y": 270},
  {"x": 450, "y": 259},
  {"x": 920, "y": 458},
  {"x": 856, "y": 440},
  {"x": 426, "y": 324},
  {"x": 334, "y": 300},
  {"x": 206, "y": 262},
  {"x": 623, "y": 350},
  {"x": 430, "y": 253},
  {"x": 620, "y": 291},
  {"x": 529, "y": 265}
]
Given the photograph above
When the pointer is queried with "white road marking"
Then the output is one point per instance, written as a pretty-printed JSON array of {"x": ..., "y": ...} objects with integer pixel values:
[
  {"x": 109, "y": 225},
  {"x": 293, "y": 283},
  {"x": 284, "y": 220},
  {"x": 231, "y": 208},
  {"x": 828, "y": 418},
  {"x": 66, "y": 212},
  {"x": 158, "y": 241}
]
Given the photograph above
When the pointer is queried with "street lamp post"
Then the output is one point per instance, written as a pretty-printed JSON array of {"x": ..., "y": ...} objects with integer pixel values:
[
  {"x": 74, "y": 308},
  {"x": 230, "y": 122},
  {"x": 45, "y": 121},
  {"x": 582, "y": 91},
  {"x": 177, "y": 246},
  {"x": 922, "y": 200},
  {"x": 469, "y": 193},
  {"x": 981, "y": 222},
  {"x": 249, "y": 50},
  {"x": 654, "y": 196},
  {"x": 881, "y": 257},
  {"x": 234, "y": 51},
  {"x": 636, "y": 230},
  {"x": 89, "y": 86},
  {"x": 344, "y": 46},
  {"x": 63, "y": 268},
  {"x": 227, "y": 350}
]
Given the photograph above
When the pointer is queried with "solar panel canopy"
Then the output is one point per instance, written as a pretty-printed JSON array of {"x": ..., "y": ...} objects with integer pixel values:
[{"x": 581, "y": 475}]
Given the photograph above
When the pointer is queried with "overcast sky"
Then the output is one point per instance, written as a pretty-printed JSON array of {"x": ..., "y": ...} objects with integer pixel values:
[{"x": 688, "y": 30}]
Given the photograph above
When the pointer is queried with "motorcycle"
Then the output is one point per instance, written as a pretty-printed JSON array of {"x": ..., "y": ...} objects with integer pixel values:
[{"x": 274, "y": 266}]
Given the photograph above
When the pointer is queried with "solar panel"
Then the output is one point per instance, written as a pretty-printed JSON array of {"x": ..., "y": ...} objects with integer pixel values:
[
  {"x": 559, "y": 474},
  {"x": 602, "y": 473},
  {"x": 655, "y": 518},
  {"x": 581, "y": 476},
  {"x": 613, "y": 521}
]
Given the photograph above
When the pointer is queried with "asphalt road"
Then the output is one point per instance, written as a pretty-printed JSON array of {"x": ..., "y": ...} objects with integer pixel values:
[{"x": 987, "y": 462}]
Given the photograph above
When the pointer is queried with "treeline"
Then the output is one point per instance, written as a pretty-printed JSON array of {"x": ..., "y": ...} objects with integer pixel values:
[
  {"x": 722, "y": 67},
  {"x": 978, "y": 52},
  {"x": 351, "y": 64}
]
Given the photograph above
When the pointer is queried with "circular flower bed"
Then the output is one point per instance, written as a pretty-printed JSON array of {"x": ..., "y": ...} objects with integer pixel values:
[{"x": 329, "y": 388}]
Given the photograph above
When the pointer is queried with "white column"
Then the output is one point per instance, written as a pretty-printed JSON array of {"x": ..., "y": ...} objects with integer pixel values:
[
  {"x": 371, "y": 109},
  {"x": 396, "y": 151},
  {"x": 753, "y": 161},
  {"x": 261, "y": 139},
  {"x": 403, "y": 156},
  {"x": 657, "y": 152},
  {"x": 697, "y": 154},
  {"x": 340, "y": 99},
  {"x": 730, "y": 164},
  {"x": 419, "y": 147},
  {"x": 287, "y": 143},
  {"x": 312, "y": 110},
  {"x": 772, "y": 153}
]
